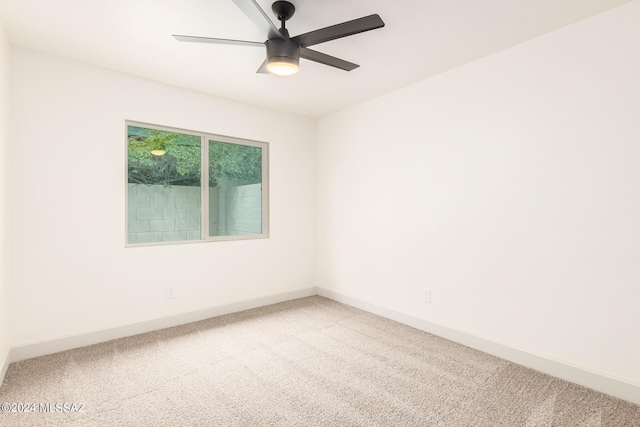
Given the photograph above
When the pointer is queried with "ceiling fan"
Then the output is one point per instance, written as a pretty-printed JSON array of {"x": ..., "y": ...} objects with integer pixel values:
[{"x": 284, "y": 52}]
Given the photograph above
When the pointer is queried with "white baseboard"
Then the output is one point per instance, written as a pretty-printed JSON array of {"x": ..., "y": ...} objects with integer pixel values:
[
  {"x": 42, "y": 348},
  {"x": 598, "y": 381},
  {"x": 4, "y": 365}
]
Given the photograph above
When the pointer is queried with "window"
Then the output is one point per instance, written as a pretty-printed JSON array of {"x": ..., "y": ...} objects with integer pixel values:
[{"x": 189, "y": 186}]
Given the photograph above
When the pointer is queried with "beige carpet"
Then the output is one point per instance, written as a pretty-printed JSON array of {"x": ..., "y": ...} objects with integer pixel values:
[{"x": 308, "y": 362}]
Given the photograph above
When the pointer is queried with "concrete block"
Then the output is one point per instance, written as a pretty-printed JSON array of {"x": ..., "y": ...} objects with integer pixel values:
[
  {"x": 162, "y": 190},
  {"x": 253, "y": 201},
  {"x": 181, "y": 213},
  {"x": 193, "y": 235},
  {"x": 174, "y": 236},
  {"x": 238, "y": 214},
  {"x": 160, "y": 201},
  {"x": 187, "y": 202},
  {"x": 254, "y": 214},
  {"x": 193, "y": 191},
  {"x": 168, "y": 213},
  {"x": 131, "y": 238},
  {"x": 161, "y": 225},
  {"x": 149, "y": 237},
  {"x": 149, "y": 213},
  {"x": 179, "y": 191},
  {"x": 187, "y": 225},
  {"x": 255, "y": 227},
  {"x": 137, "y": 226},
  {"x": 193, "y": 213},
  {"x": 139, "y": 201},
  {"x": 143, "y": 190},
  {"x": 174, "y": 213},
  {"x": 242, "y": 225},
  {"x": 253, "y": 190}
]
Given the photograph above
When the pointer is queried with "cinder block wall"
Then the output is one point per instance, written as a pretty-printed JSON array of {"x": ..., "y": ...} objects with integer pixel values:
[
  {"x": 165, "y": 214},
  {"x": 236, "y": 210}
]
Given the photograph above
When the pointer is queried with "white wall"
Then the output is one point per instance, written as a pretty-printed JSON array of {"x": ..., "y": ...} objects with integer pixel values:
[
  {"x": 4, "y": 142},
  {"x": 70, "y": 271},
  {"x": 510, "y": 187}
]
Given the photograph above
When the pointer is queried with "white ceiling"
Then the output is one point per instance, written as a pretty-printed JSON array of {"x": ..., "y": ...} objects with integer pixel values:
[{"x": 421, "y": 38}]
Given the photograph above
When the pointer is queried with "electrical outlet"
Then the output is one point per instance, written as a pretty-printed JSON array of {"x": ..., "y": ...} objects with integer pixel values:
[
  {"x": 170, "y": 293},
  {"x": 427, "y": 296}
]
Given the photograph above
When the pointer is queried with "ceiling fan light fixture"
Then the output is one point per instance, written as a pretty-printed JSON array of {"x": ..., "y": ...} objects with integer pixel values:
[
  {"x": 283, "y": 57},
  {"x": 283, "y": 66}
]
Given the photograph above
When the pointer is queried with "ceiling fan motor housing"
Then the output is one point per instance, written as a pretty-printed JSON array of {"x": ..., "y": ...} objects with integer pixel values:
[{"x": 283, "y": 50}]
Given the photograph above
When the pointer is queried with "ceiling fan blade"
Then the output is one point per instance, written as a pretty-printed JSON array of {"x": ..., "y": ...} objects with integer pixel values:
[
  {"x": 216, "y": 41},
  {"x": 322, "y": 58},
  {"x": 263, "y": 68},
  {"x": 345, "y": 29},
  {"x": 259, "y": 18}
]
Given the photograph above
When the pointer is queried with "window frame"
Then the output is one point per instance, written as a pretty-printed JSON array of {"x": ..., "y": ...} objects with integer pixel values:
[{"x": 205, "y": 137}]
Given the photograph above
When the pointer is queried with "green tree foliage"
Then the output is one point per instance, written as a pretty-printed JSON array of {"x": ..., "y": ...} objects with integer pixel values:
[{"x": 238, "y": 164}]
